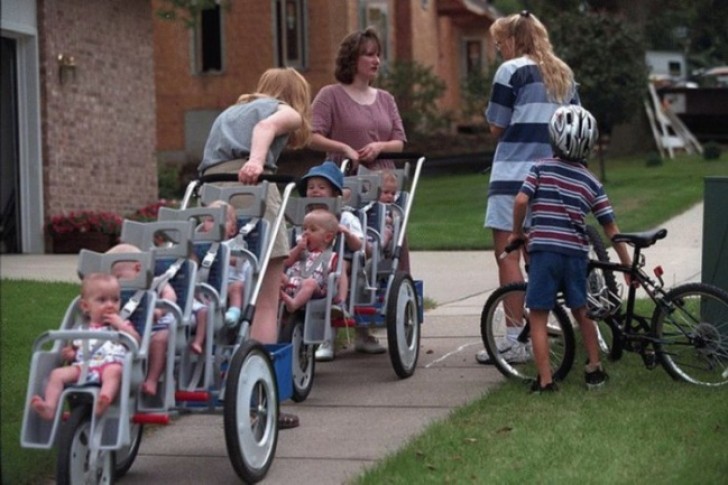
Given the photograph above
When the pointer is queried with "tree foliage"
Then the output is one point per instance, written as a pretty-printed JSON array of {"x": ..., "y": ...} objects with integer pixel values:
[
  {"x": 187, "y": 11},
  {"x": 608, "y": 60},
  {"x": 416, "y": 89}
]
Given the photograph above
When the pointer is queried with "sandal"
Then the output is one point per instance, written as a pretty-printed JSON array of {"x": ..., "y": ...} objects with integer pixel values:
[{"x": 287, "y": 421}]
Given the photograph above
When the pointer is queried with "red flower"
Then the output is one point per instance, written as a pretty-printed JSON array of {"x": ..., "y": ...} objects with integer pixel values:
[{"x": 85, "y": 221}]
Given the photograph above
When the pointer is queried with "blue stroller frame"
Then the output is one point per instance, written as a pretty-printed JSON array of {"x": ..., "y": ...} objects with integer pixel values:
[
  {"x": 243, "y": 377},
  {"x": 382, "y": 295}
]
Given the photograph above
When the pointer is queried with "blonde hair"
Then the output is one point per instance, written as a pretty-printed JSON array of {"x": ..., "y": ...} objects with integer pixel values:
[
  {"x": 289, "y": 86},
  {"x": 388, "y": 176},
  {"x": 530, "y": 38},
  {"x": 124, "y": 269},
  {"x": 230, "y": 215},
  {"x": 123, "y": 248},
  {"x": 91, "y": 280},
  {"x": 324, "y": 218}
]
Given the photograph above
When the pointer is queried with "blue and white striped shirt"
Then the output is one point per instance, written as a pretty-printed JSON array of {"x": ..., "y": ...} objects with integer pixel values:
[{"x": 519, "y": 103}]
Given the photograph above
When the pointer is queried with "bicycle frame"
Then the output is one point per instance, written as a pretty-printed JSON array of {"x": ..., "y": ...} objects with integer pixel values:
[{"x": 632, "y": 329}]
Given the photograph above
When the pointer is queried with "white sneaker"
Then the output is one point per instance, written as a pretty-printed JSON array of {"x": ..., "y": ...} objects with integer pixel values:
[
  {"x": 368, "y": 344},
  {"x": 512, "y": 352},
  {"x": 325, "y": 352}
]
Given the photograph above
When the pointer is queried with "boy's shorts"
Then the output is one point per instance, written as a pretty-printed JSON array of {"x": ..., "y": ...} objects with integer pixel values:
[
  {"x": 549, "y": 273},
  {"x": 499, "y": 213}
]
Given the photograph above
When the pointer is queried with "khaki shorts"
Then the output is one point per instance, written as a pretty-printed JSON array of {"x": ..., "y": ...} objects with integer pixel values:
[{"x": 273, "y": 201}]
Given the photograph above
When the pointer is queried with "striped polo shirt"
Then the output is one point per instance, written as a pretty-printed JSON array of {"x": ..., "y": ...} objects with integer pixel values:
[
  {"x": 561, "y": 195},
  {"x": 520, "y": 104}
]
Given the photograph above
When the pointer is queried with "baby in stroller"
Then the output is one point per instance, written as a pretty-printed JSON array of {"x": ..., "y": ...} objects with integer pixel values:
[
  {"x": 310, "y": 261},
  {"x": 100, "y": 301}
]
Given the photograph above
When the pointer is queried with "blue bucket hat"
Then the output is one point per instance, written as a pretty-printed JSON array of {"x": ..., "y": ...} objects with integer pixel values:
[{"x": 327, "y": 170}]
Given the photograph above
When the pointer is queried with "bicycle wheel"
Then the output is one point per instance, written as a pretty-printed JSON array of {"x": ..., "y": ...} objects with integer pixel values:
[
  {"x": 602, "y": 296},
  {"x": 690, "y": 326},
  {"x": 513, "y": 359}
]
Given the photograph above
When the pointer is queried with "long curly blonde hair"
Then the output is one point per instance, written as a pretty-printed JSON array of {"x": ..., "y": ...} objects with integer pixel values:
[
  {"x": 289, "y": 86},
  {"x": 530, "y": 38}
]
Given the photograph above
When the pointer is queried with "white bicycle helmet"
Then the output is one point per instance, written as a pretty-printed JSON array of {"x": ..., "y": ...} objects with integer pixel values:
[{"x": 573, "y": 132}]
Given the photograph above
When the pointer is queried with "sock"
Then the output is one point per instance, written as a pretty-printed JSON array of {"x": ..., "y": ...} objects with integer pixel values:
[
  {"x": 232, "y": 315},
  {"x": 512, "y": 333}
]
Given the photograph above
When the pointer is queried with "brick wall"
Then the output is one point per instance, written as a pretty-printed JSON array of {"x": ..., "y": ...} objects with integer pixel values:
[{"x": 98, "y": 128}]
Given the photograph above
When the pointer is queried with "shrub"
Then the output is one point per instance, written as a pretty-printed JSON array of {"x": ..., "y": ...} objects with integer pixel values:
[
  {"x": 711, "y": 151},
  {"x": 416, "y": 89},
  {"x": 653, "y": 159},
  {"x": 149, "y": 212},
  {"x": 85, "y": 221}
]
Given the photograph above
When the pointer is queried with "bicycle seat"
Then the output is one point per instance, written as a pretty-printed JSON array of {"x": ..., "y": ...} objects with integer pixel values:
[{"x": 641, "y": 239}]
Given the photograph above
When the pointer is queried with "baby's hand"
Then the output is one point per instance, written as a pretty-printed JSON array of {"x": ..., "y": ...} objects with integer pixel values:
[
  {"x": 114, "y": 320},
  {"x": 68, "y": 353}
]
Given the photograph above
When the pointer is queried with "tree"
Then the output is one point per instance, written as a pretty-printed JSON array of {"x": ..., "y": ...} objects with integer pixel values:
[
  {"x": 608, "y": 59},
  {"x": 188, "y": 11},
  {"x": 416, "y": 89}
]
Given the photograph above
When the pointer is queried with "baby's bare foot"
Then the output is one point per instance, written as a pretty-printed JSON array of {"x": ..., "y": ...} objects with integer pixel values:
[
  {"x": 149, "y": 388},
  {"x": 196, "y": 348},
  {"x": 42, "y": 408},
  {"x": 102, "y": 404}
]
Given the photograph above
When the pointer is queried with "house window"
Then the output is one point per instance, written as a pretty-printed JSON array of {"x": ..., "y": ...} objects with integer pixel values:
[
  {"x": 208, "y": 41},
  {"x": 675, "y": 68},
  {"x": 374, "y": 14},
  {"x": 290, "y": 30},
  {"x": 473, "y": 57}
]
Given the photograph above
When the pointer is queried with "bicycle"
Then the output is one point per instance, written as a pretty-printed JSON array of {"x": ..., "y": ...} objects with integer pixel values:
[{"x": 687, "y": 332}]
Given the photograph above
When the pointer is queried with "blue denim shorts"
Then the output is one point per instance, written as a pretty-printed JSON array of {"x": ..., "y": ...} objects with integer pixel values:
[{"x": 549, "y": 273}]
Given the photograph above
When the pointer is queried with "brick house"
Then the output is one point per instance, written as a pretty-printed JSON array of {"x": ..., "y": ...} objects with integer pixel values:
[
  {"x": 78, "y": 112},
  {"x": 96, "y": 92},
  {"x": 201, "y": 72}
]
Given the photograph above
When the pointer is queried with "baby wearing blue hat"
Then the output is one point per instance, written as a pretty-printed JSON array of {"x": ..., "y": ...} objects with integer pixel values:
[{"x": 326, "y": 180}]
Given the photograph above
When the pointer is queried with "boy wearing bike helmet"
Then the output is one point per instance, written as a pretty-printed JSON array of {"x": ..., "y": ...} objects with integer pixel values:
[{"x": 560, "y": 192}]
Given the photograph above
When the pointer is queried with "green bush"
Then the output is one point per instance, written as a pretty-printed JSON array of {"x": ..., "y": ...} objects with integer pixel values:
[
  {"x": 653, "y": 160},
  {"x": 416, "y": 89},
  {"x": 168, "y": 181},
  {"x": 711, "y": 151}
]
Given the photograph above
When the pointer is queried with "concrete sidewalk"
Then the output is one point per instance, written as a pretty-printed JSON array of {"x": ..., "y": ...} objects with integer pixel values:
[{"x": 358, "y": 410}]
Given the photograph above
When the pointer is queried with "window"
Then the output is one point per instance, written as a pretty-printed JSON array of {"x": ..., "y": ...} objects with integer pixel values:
[
  {"x": 208, "y": 41},
  {"x": 374, "y": 14},
  {"x": 290, "y": 29},
  {"x": 473, "y": 56},
  {"x": 675, "y": 68}
]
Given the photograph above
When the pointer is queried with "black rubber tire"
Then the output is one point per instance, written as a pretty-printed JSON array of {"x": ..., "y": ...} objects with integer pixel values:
[
  {"x": 691, "y": 331},
  {"x": 493, "y": 333},
  {"x": 304, "y": 361},
  {"x": 250, "y": 412},
  {"x": 72, "y": 464},
  {"x": 403, "y": 325},
  {"x": 124, "y": 459},
  {"x": 598, "y": 281}
]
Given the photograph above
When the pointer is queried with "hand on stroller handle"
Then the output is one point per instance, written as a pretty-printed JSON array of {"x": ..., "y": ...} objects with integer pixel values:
[{"x": 233, "y": 177}]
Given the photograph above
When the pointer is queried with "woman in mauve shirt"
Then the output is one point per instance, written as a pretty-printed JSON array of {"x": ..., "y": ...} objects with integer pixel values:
[{"x": 352, "y": 119}]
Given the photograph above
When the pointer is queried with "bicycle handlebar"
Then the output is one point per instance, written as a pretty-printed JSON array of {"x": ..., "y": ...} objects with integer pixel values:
[{"x": 512, "y": 247}]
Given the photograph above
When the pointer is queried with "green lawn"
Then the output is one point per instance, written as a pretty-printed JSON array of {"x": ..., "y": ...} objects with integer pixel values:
[
  {"x": 448, "y": 211},
  {"x": 642, "y": 426}
]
